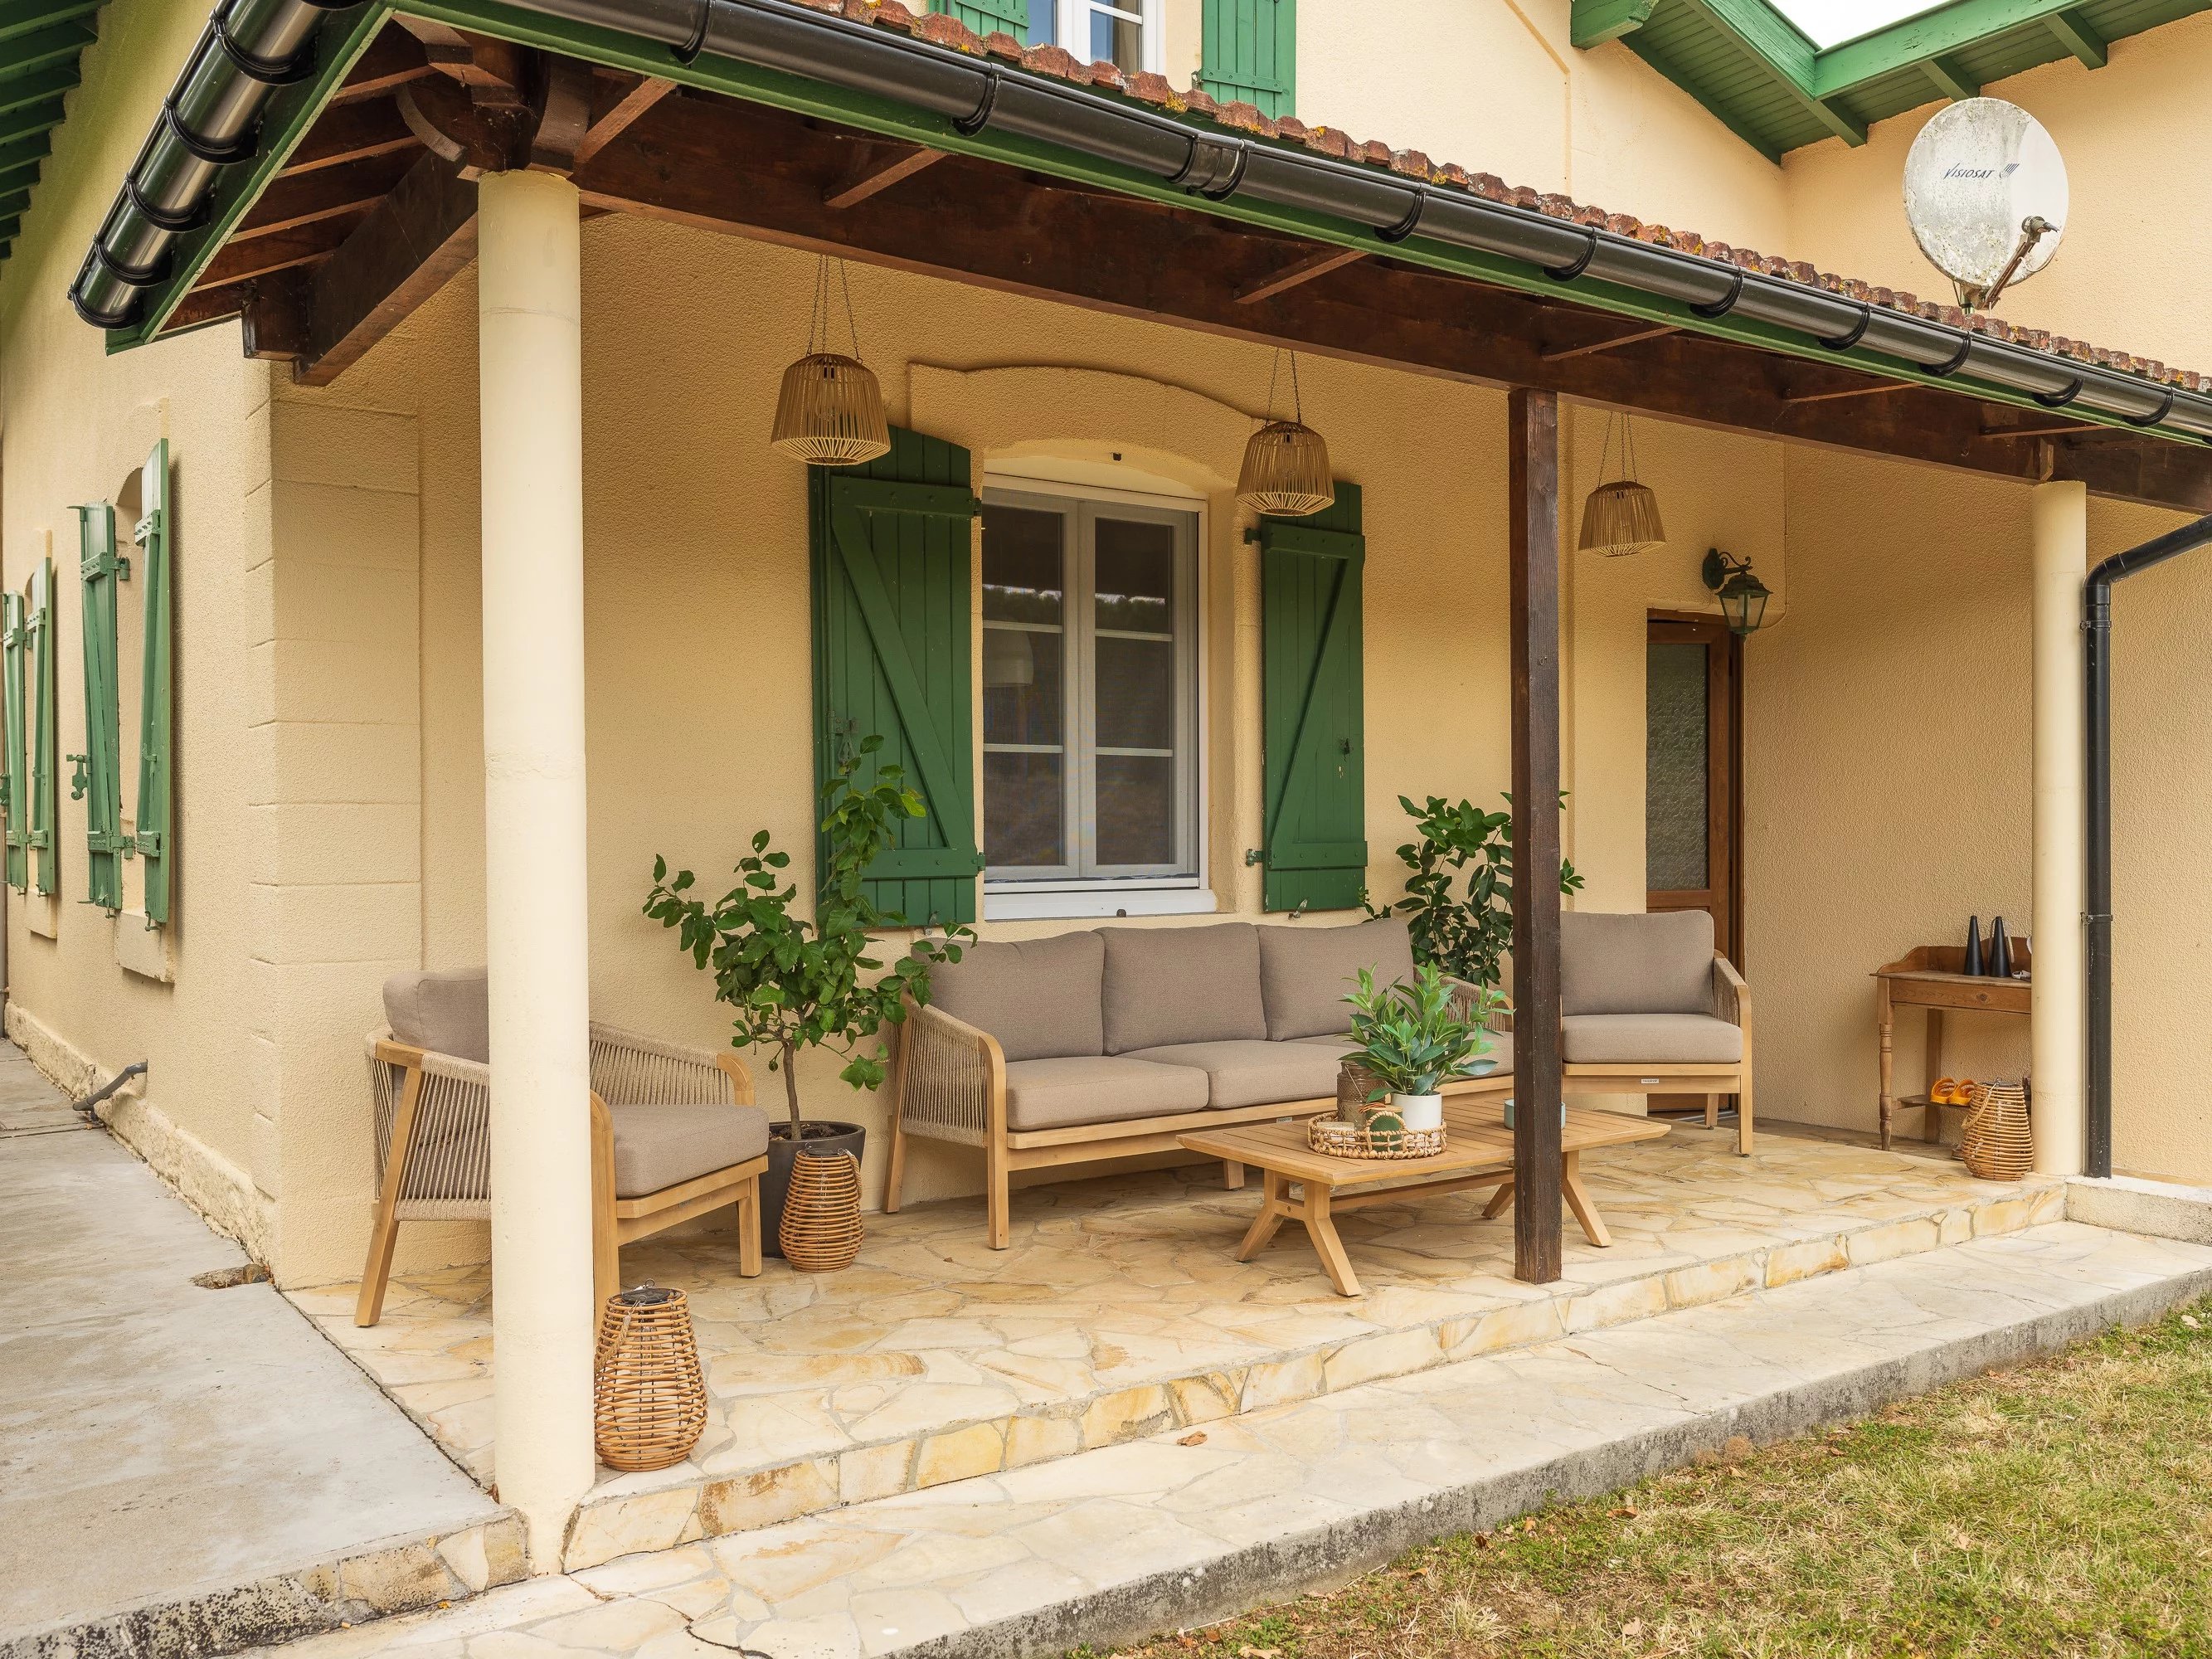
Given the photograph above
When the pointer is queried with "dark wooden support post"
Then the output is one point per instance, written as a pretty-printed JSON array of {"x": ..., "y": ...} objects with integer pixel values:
[{"x": 1533, "y": 427}]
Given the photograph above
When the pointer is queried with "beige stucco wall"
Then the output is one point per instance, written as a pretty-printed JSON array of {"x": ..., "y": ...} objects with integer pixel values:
[{"x": 73, "y": 425}]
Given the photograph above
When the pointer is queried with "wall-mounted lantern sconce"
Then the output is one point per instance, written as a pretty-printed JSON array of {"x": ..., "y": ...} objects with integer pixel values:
[{"x": 1742, "y": 595}]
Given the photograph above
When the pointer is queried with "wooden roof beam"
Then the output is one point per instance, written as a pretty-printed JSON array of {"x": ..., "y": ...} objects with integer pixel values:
[
  {"x": 1950, "y": 77},
  {"x": 1560, "y": 353},
  {"x": 2079, "y": 36},
  {"x": 877, "y": 170},
  {"x": 612, "y": 119},
  {"x": 1301, "y": 271}
]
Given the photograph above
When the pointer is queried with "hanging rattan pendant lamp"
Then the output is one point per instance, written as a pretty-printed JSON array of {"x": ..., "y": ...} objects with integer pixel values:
[
  {"x": 830, "y": 411},
  {"x": 1621, "y": 517},
  {"x": 1287, "y": 472}
]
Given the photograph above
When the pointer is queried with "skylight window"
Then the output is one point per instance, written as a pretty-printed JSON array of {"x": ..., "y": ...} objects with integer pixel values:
[{"x": 1825, "y": 22}]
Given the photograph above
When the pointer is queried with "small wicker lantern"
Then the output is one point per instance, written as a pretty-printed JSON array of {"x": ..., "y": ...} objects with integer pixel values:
[
  {"x": 821, "y": 1228},
  {"x": 1285, "y": 471},
  {"x": 830, "y": 410},
  {"x": 1621, "y": 517},
  {"x": 648, "y": 1397}
]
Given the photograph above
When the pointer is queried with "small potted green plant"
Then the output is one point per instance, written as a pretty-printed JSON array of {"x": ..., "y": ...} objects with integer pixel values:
[
  {"x": 797, "y": 984},
  {"x": 1413, "y": 1040}
]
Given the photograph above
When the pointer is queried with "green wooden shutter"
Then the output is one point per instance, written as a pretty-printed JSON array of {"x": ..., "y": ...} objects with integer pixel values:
[
  {"x": 46, "y": 740},
  {"x": 1249, "y": 52},
  {"x": 14, "y": 783},
  {"x": 987, "y": 17},
  {"x": 150, "y": 834},
  {"x": 98, "y": 779},
  {"x": 892, "y": 551},
  {"x": 1312, "y": 701}
]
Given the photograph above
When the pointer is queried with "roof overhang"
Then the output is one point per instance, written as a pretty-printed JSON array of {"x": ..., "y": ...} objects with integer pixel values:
[{"x": 1122, "y": 196}]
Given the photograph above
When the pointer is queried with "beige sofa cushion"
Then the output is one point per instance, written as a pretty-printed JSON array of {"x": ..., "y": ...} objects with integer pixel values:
[
  {"x": 1501, "y": 1048},
  {"x": 657, "y": 1146},
  {"x": 447, "y": 1013},
  {"x": 1256, "y": 1073},
  {"x": 1166, "y": 985},
  {"x": 1651, "y": 1040},
  {"x": 1659, "y": 964},
  {"x": 1305, "y": 973},
  {"x": 1060, "y": 1094},
  {"x": 1040, "y": 997}
]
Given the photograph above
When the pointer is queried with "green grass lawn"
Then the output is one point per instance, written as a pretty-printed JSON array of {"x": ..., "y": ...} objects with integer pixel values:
[{"x": 2062, "y": 1507}]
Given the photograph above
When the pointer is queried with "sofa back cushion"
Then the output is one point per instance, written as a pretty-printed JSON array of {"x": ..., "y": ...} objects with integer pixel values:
[
  {"x": 1659, "y": 964},
  {"x": 1168, "y": 985},
  {"x": 1305, "y": 973},
  {"x": 447, "y": 1013},
  {"x": 1040, "y": 997}
]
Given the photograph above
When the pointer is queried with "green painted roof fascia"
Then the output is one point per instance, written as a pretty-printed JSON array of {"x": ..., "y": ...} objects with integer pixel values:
[
  {"x": 42, "y": 44},
  {"x": 1789, "y": 94},
  {"x": 287, "y": 120}
]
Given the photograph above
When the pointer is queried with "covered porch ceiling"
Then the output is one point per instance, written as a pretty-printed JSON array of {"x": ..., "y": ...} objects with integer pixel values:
[{"x": 355, "y": 200}]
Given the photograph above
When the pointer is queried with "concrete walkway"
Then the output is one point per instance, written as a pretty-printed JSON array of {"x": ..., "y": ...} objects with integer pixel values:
[
  {"x": 1188, "y": 1526},
  {"x": 186, "y": 1470}
]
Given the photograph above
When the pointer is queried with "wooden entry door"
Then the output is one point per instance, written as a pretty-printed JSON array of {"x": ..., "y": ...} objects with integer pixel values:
[{"x": 1693, "y": 772}]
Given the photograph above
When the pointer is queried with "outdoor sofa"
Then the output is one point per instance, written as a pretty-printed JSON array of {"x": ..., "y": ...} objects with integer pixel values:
[{"x": 1112, "y": 1041}]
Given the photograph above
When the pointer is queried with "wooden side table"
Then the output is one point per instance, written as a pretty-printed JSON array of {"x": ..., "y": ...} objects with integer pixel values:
[{"x": 1928, "y": 976}]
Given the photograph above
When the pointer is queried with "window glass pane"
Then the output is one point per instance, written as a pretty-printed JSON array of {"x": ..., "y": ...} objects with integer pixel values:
[
  {"x": 1675, "y": 798},
  {"x": 1135, "y": 577},
  {"x": 1116, "y": 40},
  {"x": 1024, "y": 564},
  {"x": 1022, "y": 814},
  {"x": 1136, "y": 809},
  {"x": 1136, "y": 694},
  {"x": 1022, "y": 694}
]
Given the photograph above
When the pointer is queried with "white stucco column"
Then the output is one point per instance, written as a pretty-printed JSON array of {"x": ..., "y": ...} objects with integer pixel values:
[
  {"x": 2060, "y": 517},
  {"x": 530, "y": 367}
]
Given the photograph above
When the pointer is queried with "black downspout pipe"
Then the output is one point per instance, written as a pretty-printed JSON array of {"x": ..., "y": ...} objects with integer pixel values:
[{"x": 2096, "y": 836}]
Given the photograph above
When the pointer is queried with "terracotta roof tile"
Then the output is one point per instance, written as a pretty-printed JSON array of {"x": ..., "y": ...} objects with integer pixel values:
[{"x": 944, "y": 30}]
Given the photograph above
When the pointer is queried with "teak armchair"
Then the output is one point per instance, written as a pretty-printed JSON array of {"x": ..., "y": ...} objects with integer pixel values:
[{"x": 674, "y": 1136}]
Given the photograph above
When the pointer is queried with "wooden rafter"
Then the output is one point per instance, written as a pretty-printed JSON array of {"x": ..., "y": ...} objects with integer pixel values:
[
  {"x": 1319, "y": 264},
  {"x": 1656, "y": 331},
  {"x": 392, "y": 59},
  {"x": 879, "y": 173},
  {"x": 1835, "y": 393},
  {"x": 610, "y": 122}
]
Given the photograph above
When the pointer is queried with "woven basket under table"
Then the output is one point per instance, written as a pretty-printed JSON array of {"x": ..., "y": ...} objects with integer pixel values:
[{"x": 1996, "y": 1142}]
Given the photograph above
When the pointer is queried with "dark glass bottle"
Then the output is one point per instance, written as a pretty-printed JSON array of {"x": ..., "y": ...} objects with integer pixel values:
[{"x": 2000, "y": 952}]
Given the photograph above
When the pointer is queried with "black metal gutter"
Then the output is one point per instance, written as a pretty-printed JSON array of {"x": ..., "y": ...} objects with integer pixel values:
[
  {"x": 2097, "y": 836},
  {"x": 222, "y": 93}
]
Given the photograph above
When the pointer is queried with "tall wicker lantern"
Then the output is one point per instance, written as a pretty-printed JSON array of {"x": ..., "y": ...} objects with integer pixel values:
[
  {"x": 1287, "y": 472},
  {"x": 1621, "y": 517},
  {"x": 830, "y": 411},
  {"x": 649, "y": 1396}
]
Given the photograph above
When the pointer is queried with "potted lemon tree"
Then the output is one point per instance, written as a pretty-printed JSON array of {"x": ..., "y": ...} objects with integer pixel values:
[{"x": 796, "y": 984}]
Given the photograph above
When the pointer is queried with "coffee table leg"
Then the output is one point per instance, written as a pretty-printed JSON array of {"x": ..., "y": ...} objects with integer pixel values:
[
  {"x": 1327, "y": 1245},
  {"x": 1500, "y": 1202},
  {"x": 1578, "y": 1201},
  {"x": 1271, "y": 1211}
]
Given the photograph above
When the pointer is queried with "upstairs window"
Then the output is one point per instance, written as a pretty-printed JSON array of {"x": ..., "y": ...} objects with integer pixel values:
[
  {"x": 1090, "y": 693},
  {"x": 1126, "y": 33}
]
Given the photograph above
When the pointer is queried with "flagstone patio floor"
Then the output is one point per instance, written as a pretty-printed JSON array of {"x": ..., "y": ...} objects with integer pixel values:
[{"x": 1119, "y": 1312}]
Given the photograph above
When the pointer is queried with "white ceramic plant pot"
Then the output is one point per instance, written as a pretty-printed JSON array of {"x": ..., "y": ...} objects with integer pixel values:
[{"x": 1420, "y": 1111}]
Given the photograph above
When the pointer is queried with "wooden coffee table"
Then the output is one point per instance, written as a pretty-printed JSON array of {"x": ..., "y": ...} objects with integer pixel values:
[{"x": 1477, "y": 1153}]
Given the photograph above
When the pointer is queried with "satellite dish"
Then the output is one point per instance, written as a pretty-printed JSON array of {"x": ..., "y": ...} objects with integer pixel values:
[{"x": 1985, "y": 193}]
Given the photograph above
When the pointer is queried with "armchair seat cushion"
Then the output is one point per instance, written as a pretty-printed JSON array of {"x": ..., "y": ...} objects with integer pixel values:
[
  {"x": 1651, "y": 1040},
  {"x": 1501, "y": 1048},
  {"x": 1244, "y": 1072},
  {"x": 657, "y": 1146},
  {"x": 1082, "y": 1089}
]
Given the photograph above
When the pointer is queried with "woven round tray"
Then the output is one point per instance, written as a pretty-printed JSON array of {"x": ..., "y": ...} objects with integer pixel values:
[
  {"x": 1337, "y": 1138},
  {"x": 1995, "y": 1142}
]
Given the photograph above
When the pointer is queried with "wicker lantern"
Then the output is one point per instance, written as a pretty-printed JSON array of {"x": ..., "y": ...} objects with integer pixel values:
[
  {"x": 830, "y": 411},
  {"x": 821, "y": 1228},
  {"x": 1621, "y": 517},
  {"x": 1285, "y": 471},
  {"x": 648, "y": 1397}
]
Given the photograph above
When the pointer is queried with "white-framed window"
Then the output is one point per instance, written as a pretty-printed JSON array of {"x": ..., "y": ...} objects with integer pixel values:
[
  {"x": 1091, "y": 692},
  {"x": 1126, "y": 33}
]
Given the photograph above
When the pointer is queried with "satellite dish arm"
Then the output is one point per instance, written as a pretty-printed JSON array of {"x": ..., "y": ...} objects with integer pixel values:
[{"x": 2032, "y": 230}]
